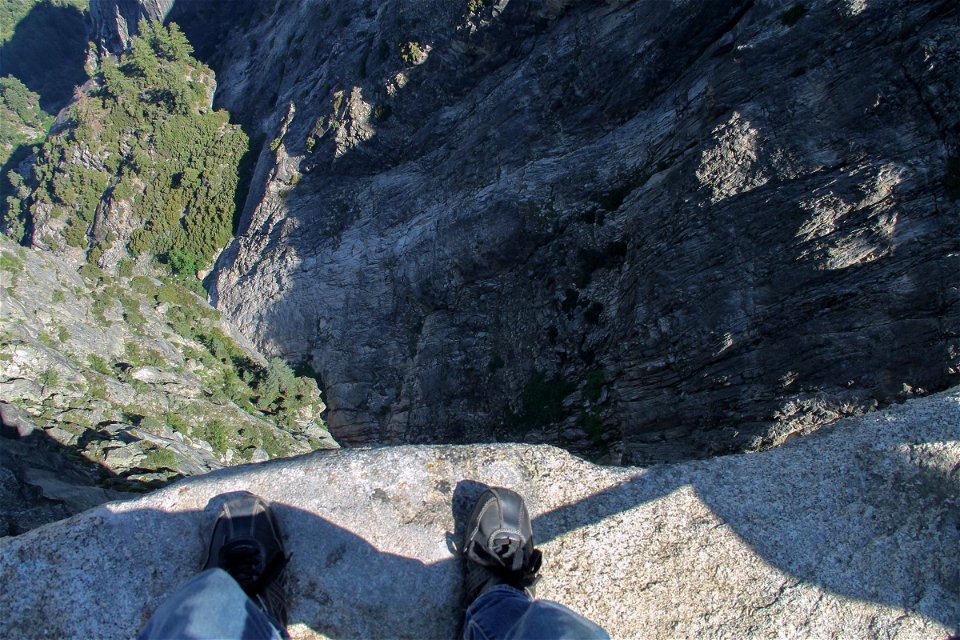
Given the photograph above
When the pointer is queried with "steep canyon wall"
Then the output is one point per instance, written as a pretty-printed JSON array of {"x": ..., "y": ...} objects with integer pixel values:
[{"x": 645, "y": 231}]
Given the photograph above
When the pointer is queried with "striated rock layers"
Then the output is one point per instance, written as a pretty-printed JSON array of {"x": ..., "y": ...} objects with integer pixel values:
[
  {"x": 850, "y": 533},
  {"x": 113, "y": 22},
  {"x": 619, "y": 227}
]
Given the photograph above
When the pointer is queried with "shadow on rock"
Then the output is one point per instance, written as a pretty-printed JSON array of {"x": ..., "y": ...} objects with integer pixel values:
[
  {"x": 46, "y": 52},
  {"x": 850, "y": 530}
]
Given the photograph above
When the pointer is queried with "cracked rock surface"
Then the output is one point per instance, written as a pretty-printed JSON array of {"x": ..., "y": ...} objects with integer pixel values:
[
  {"x": 851, "y": 532},
  {"x": 617, "y": 227}
]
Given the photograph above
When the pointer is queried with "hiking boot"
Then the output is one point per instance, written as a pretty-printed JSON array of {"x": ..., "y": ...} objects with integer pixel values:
[
  {"x": 498, "y": 545},
  {"x": 246, "y": 544}
]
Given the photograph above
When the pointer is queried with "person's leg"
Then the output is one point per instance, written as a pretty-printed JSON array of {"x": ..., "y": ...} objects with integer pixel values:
[
  {"x": 495, "y": 613},
  {"x": 505, "y": 613},
  {"x": 210, "y": 606},
  {"x": 240, "y": 593},
  {"x": 502, "y": 569},
  {"x": 546, "y": 619}
]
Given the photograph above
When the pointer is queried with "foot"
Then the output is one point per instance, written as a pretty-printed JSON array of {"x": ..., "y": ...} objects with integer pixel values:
[
  {"x": 246, "y": 544},
  {"x": 498, "y": 545}
]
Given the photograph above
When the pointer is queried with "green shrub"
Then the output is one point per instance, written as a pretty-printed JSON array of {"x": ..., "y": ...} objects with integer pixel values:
[
  {"x": 151, "y": 424},
  {"x": 91, "y": 273},
  {"x": 98, "y": 364},
  {"x": 96, "y": 388},
  {"x": 792, "y": 15},
  {"x": 98, "y": 310},
  {"x": 144, "y": 286},
  {"x": 125, "y": 268},
  {"x": 596, "y": 381},
  {"x": 175, "y": 294},
  {"x": 217, "y": 434},
  {"x": 381, "y": 112},
  {"x": 541, "y": 402},
  {"x": 131, "y": 312},
  {"x": 49, "y": 379},
  {"x": 592, "y": 425},
  {"x": 10, "y": 263},
  {"x": 22, "y": 121},
  {"x": 183, "y": 261},
  {"x": 411, "y": 53},
  {"x": 177, "y": 423},
  {"x": 160, "y": 459},
  {"x": 147, "y": 121}
]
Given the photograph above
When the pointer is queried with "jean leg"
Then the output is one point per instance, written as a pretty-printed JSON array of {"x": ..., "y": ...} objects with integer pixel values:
[
  {"x": 210, "y": 605},
  {"x": 548, "y": 620},
  {"x": 505, "y": 613},
  {"x": 491, "y": 616}
]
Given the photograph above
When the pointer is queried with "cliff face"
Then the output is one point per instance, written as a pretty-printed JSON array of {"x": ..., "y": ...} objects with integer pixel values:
[
  {"x": 613, "y": 227},
  {"x": 620, "y": 228},
  {"x": 852, "y": 533},
  {"x": 122, "y": 383},
  {"x": 113, "y": 22}
]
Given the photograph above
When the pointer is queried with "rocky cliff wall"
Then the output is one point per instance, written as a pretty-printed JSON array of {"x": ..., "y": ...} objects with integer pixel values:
[
  {"x": 108, "y": 383},
  {"x": 852, "y": 532},
  {"x": 617, "y": 227},
  {"x": 113, "y": 22}
]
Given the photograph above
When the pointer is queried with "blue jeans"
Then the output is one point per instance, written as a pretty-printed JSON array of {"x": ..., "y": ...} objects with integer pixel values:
[
  {"x": 505, "y": 613},
  {"x": 211, "y": 606}
]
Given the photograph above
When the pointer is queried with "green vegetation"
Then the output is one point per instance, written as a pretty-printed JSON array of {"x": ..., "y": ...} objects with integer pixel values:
[
  {"x": 48, "y": 379},
  {"x": 22, "y": 121},
  {"x": 381, "y": 112},
  {"x": 411, "y": 53},
  {"x": 99, "y": 364},
  {"x": 952, "y": 177},
  {"x": 792, "y": 15},
  {"x": 541, "y": 402},
  {"x": 474, "y": 7},
  {"x": 215, "y": 432},
  {"x": 282, "y": 393},
  {"x": 10, "y": 263},
  {"x": 160, "y": 147},
  {"x": 160, "y": 459},
  {"x": 596, "y": 381},
  {"x": 592, "y": 425},
  {"x": 96, "y": 388}
]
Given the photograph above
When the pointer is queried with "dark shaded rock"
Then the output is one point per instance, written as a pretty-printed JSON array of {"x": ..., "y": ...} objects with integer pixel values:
[
  {"x": 41, "y": 481},
  {"x": 14, "y": 423},
  {"x": 722, "y": 218}
]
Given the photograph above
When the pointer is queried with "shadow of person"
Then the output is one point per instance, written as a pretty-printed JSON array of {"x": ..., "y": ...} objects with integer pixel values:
[
  {"x": 868, "y": 509},
  {"x": 852, "y": 527}
]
